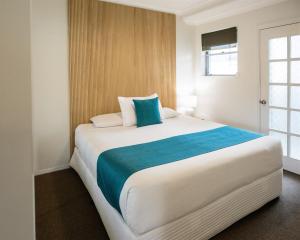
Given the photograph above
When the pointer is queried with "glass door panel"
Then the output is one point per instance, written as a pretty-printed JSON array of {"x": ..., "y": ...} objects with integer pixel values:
[
  {"x": 278, "y": 96},
  {"x": 278, "y": 72},
  {"x": 295, "y": 150},
  {"x": 295, "y": 97},
  {"x": 278, "y": 48},
  {"x": 295, "y": 46},
  {"x": 295, "y": 72},
  {"x": 295, "y": 122},
  {"x": 278, "y": 119}
]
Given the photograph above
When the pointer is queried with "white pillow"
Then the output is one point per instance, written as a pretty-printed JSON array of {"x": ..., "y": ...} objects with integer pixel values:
[
  {"x": 128, "y": 110},
  {"x": 107, "y": 120},
  {"x": 170, "y": 113}
]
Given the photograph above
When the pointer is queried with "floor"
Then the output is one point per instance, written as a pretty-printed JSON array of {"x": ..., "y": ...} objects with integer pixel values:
[{"x": 64, "y": 210}]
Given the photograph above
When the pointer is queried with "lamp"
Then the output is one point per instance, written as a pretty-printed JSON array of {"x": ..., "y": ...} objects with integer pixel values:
[{"x": 186, "y": 104}]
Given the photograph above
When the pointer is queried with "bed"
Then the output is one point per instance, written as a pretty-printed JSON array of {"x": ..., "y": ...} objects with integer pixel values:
[{"x": 194, "y": 198}]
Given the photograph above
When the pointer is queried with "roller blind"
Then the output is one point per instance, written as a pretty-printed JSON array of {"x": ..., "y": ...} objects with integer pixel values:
[{"x": 218, "y": 38}]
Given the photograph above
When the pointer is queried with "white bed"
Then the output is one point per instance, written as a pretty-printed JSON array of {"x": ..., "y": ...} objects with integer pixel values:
[{"x": 190, "y": 199}]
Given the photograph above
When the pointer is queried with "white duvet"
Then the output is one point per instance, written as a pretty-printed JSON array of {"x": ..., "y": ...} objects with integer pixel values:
[{"x": 156, "y": 196}]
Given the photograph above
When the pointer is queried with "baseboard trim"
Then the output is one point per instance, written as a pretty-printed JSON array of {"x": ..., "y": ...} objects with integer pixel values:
[
  {"x": 291, "y": 165},
  {"x": 49, "y": 170}
]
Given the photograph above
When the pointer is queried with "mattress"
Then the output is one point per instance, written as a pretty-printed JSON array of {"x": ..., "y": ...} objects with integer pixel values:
[
  {"x": 162, "y": 194},
  {"x": 201, "y": 224}
]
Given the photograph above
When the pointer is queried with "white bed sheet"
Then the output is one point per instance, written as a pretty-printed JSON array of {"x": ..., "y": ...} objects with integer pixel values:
[{"x": 156, "y": 196}]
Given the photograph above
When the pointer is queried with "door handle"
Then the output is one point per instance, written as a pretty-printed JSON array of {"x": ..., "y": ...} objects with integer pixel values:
[{"x": 263, "y": 101}]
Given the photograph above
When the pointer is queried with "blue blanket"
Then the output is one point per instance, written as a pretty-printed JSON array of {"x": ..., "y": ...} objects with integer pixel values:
[{"x": 116, "y": 165}]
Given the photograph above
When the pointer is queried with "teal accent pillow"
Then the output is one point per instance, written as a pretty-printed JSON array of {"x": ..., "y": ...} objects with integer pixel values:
[{"x": 147, "y": 112}]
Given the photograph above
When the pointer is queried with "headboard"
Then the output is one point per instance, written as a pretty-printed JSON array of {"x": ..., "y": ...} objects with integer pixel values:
[{"x": 116, "y": 50}]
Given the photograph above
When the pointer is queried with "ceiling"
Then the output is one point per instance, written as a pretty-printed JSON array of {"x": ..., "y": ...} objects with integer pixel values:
[
  {"x": 179, "y": 7},
  {"x": 196, "y": 12}
]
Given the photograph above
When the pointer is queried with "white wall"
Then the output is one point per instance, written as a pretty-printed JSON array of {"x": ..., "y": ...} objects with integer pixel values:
[
  {"x": 16, "y": 170},
  {"x": 50, "y": 101},
  {"x": 234, "y": 100},
  {"x": 185, "y": 62}
]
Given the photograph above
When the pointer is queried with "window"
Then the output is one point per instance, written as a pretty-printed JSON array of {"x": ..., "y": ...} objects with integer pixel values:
[
  {"x": 221, "y": 60},
  {"x": 220, "y": 52}
]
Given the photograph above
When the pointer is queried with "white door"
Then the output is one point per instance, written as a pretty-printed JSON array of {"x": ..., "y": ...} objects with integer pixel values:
[{"x": 280, "y": 89}]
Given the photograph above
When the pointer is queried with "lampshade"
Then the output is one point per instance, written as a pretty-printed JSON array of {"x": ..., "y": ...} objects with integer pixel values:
[{"x": 187, "y": 101}]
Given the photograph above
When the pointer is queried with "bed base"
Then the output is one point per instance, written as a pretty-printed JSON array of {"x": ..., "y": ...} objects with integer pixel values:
[{"x": 202, "y": 224}]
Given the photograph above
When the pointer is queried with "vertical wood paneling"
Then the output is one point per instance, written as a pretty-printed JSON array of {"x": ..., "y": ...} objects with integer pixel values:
[{"x": 117, "y": 50}]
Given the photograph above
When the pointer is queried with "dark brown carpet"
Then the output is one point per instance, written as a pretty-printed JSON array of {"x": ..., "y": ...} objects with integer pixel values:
[{"x": 64, "y": 210}]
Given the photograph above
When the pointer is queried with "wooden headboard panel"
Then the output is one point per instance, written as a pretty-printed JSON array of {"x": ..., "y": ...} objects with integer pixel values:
[{"x": 117, "y": 50}]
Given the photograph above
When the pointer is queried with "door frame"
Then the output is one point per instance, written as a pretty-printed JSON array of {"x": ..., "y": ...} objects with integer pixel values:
[{"x": 289, "y": 164}]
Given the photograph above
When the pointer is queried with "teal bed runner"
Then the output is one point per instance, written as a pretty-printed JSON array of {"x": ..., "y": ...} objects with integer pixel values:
[{"x": 116, "y": 165}]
